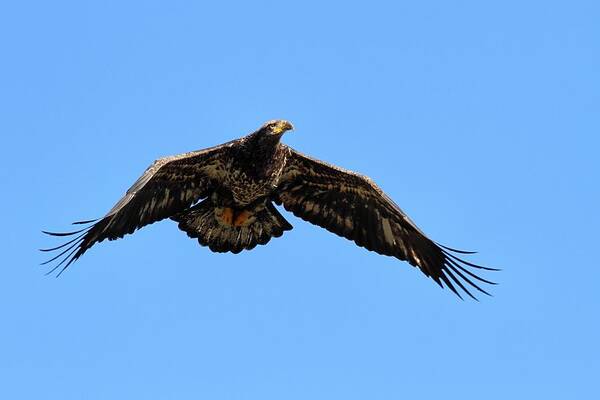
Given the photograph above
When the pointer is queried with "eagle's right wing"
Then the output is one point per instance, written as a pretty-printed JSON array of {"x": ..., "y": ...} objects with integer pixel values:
[
  {"x": 351, "y": 205},
  {"x": 167, "y": 187}
]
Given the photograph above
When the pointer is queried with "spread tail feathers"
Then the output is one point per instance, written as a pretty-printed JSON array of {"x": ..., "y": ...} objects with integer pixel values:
[{"x": 225, "y": 229}]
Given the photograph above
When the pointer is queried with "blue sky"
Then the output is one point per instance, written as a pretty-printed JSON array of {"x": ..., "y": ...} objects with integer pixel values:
[{"x": 479, "y": 118}]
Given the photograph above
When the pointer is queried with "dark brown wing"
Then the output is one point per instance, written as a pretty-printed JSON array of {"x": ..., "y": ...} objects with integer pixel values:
[
  {"x": 169, "y": 185},
  {"x": 352, "y": 206}
]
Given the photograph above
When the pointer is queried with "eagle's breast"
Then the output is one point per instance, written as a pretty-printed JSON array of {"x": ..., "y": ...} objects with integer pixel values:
[{"x": 251, "y": 179}]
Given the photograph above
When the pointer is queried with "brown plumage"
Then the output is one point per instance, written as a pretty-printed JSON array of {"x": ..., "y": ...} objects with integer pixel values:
[{"x": 223, "y": 196}]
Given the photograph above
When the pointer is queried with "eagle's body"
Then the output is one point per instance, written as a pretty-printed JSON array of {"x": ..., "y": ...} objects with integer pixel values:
[
  {"x": 255, "y": 166},
  {"x": 224, "y": 196}
]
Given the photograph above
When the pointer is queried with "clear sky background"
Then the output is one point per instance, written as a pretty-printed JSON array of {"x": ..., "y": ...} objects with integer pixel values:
[{"x": 481, "y": 119}]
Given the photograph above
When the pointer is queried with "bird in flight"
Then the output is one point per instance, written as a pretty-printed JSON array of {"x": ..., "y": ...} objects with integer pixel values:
[{"x": 223, "y": 196}]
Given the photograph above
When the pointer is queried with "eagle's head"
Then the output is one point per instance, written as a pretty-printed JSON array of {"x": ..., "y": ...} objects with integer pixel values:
[{"x": 276, "y": 127}]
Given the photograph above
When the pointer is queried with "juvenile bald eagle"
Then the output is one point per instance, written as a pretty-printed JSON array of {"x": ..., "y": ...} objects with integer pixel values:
[{"x": 223, "y": 196}]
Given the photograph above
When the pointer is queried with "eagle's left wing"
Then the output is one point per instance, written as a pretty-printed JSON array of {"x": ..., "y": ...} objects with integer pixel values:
[
  {"x": 351, "y": 205},
  {"x": 167, "y": 187}
]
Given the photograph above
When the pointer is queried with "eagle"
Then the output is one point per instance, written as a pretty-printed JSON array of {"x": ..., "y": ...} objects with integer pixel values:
[{"x": 225, "y": 196}]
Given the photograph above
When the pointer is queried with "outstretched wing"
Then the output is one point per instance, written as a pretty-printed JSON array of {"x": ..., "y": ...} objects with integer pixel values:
[
  {"x": 168, "y": 186},
  {"x": 352, "y": 206}
]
